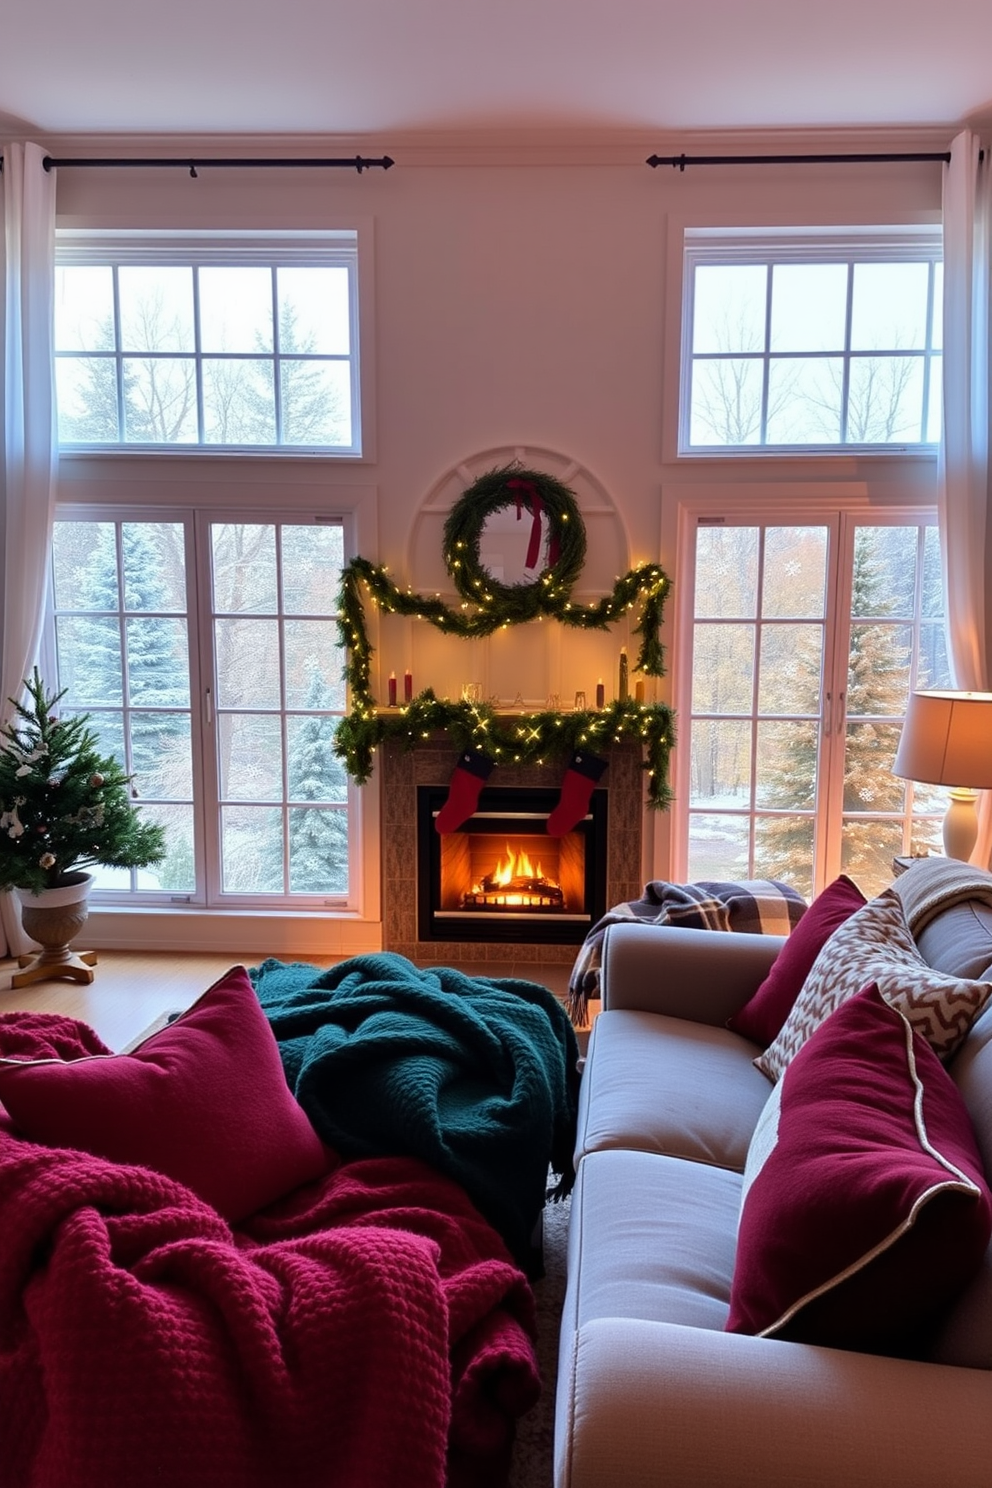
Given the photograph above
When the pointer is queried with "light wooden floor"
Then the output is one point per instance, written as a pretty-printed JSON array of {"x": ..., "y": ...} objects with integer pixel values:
[{"x": 129, "y": 990}]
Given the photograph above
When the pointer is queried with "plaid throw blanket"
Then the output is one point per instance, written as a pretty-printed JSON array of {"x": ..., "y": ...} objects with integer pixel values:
[{"x": 757, "y": 906}]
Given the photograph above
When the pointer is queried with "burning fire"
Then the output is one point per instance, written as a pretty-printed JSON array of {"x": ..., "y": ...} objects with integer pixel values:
[
  {"x": 515, "y": 882},
  {"x": 517, "y": 865}
]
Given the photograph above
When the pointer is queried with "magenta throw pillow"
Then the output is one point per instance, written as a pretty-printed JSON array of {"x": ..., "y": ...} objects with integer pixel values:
[
  {"x": 865, "y": 1208},
  {"x": 761, "y": 1018},
  {"x": 204, "y": 1101}
]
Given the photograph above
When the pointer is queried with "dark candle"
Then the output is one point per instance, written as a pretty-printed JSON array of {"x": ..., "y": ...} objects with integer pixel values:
[
  {"x": 407, "y": 686},
  {"x": 392, "y": 689},
  {"x": 600, "y": 693}
]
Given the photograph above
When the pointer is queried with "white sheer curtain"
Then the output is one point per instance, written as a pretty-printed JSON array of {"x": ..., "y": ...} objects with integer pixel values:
[
  {"x": 965, "y": 495},
  {"x": 29, "y": 440}
]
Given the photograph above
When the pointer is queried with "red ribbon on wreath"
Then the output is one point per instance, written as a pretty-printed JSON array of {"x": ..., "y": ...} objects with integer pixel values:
[{"x": 526, "y": 488}]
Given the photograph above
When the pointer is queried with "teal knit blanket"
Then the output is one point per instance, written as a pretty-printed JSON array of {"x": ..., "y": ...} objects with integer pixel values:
[{"x": 477, "y": 1076}]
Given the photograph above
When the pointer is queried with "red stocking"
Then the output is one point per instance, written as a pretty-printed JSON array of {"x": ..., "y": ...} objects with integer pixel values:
[
  {"x": 472, "y": 771},
  {"x": 584, "y": 769}
]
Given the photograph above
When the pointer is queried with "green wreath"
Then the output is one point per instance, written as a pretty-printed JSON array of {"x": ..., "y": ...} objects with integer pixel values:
[{"x": 540, "y": 495}]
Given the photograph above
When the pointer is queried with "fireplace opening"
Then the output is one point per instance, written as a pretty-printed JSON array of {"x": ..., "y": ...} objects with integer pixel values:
[{"x": 500, "y": 877}]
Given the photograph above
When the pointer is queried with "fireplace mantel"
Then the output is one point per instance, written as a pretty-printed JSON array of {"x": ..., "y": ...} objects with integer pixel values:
[{"x": 430, "y": 762}]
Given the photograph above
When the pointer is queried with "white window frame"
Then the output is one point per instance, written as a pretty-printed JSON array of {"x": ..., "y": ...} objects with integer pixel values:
[
  {"x": 247, "y": 488},
  {"x": 741, "y": 245},
  {"x": 348, "y": 247},
  {"x": 801, "y": 503}
]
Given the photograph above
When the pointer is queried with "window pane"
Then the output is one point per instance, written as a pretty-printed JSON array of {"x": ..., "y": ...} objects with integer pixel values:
[
  {"x": 867, "y": 850},
  {"x": 313, "y": 311},
  {"x": 789, "y": 675},
  {"x": 156, "y": 309},
  {"x": 718, "y": 847},
  {"x": 783, "y": 849},
  {"x": 795, "y": 571},
  {"x": 313, "y": 665},
  {"x": 318, "y": 852},
  {"x": 84, "y": 308},
  {"x": 869, "y": 784},
  {"x": 885, "y": 405},
  {"x": 244, "y": 568},
  {"x": 726, "y": 572},
  {"x": 937, "y": 333},
  {"x": 86, "y": 390},
  {"x": 312, "y": 559},
  {"x": 726, "y": 402},
  {"x": 80, "y": 550},
  {"x": 885, "y": 571},
  {"x": 252, "y": 850},
  {"x": 154, "y": 559},
  {"x": 314, "y": 771},
  {"x": 804, "y": 398},
  {"x": 239, "y": 404},
  {"x": 161, "y": 756},
  {"x": 249, "y": 746},
  {"x": 729, "y": 307},
  {"x": 160, "y": 400},
  {"x": 721, "y": 762},
  {"x": 879, "y": 670},
  {"x": 786, "y": 771},
  {"x": 157, "y": 667},
  {"x": 890, "y": 306},
  {"x": 316, "y": 402},
  {"x": 176, "y": 874},
  {"x": 247, "y": 663},
  {"x": 89, "y": 660},
  {"x": 235, "y": 309},
  {"x": 809, "y": 307},
  {"x": 723, "y": 669}
]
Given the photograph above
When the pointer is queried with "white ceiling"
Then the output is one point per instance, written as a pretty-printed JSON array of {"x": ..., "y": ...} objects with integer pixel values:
[{"x": 392, "y": 66}]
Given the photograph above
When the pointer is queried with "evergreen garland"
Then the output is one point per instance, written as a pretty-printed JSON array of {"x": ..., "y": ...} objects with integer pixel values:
[
  {"x": 488, "y": 606},
  {"x": 64, "y": 807},
  {"x": 519, "y": 738}
]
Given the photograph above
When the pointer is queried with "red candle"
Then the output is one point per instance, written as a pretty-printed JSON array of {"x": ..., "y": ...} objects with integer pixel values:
[
  {"x": 392, "y": 689},
  {"x": 600, "y": 693},
  {"x": 407, "y": 686}
]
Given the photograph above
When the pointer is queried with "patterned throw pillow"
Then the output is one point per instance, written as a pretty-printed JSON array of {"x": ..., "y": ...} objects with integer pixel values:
[
  {"x": 875, "y": 945},
  {"x": 865, "y": 1209}
]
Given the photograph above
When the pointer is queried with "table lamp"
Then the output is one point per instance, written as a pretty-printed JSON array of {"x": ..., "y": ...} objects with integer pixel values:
[{"x": 947, "y": 740}]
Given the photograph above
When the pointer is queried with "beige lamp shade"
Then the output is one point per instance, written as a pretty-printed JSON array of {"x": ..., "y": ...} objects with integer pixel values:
[{"x": 947, "y": 740}]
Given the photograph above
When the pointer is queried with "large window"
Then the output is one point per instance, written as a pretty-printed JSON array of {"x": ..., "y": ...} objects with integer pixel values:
[
  {"x": 810, "y": 340},
  {"x": 205, "y": 650},
  {"x": 233, "y": 342},
  {"x": 805, "y": 638}
]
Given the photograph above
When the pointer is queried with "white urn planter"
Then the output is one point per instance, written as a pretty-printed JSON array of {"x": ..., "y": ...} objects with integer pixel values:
[{"x": 53, "y": 918}]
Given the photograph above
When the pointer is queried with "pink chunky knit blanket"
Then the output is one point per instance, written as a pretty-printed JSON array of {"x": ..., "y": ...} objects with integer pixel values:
[{"x": 368, "y": 1331}]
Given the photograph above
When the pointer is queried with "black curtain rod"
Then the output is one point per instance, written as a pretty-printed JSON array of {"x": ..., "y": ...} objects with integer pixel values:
[
  {"x": 353, "y": 162},
  {"x": 681, "y": 161}
]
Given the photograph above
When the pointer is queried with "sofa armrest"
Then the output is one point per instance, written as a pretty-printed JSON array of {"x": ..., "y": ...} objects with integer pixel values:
[
  {"x": 644, "y": 1403},
  {"x": 702, "y": 975}
]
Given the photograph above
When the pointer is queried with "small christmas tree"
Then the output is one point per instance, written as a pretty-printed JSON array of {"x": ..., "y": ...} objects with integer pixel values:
[{"x": 64, "y": 807}]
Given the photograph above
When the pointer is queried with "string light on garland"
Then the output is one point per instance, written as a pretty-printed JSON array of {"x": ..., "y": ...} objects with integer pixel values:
[{"x": 487, "y": 606}]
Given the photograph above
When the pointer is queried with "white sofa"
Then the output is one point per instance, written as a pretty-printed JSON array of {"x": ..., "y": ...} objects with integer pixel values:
[{"x": 651, "y": 1389}]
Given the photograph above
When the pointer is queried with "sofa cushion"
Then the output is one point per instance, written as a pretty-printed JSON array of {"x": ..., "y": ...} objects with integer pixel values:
[
  {"x": 204, "y": 1101},
  {"x": 865, "y": 1209},
  {"x": 762, "y": 1017},
  {"x": 875, "y": 945},
  {"x": 659, "y": 1084},
  {"x": 959, "y": 940},
  {"x": 651, "y": 1237}
]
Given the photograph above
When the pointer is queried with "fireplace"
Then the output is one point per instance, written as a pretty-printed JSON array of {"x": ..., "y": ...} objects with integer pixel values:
[
  {"x": 501, "y": 879},
  {"x": 407, "y": 768}
]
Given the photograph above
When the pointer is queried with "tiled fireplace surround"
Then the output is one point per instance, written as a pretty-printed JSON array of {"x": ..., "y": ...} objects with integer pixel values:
[{"x": 431, "y": 763}]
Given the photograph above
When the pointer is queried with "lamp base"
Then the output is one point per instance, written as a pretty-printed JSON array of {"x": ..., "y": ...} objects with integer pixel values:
[{"x": 961, "y": 824}]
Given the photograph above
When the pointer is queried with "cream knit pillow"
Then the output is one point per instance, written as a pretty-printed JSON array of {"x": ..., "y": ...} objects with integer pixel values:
[{"x": 875, "y": 945}]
